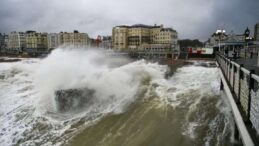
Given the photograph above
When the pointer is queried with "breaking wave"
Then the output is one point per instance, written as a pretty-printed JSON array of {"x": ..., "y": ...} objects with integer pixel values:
[{"x": 48, "y": 101}]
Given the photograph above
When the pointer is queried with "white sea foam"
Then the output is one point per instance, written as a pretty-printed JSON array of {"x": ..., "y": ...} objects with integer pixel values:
[
  {"x": 29, "y": 87},
  {"x": 28, "y": 109}
]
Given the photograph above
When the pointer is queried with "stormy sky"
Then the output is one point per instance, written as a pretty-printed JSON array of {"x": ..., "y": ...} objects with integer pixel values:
[{"x": 191, "y": 18}]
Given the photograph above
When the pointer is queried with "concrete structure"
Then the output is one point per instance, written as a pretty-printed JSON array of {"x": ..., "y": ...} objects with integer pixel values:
[
  {"x": 74, "y": 39},
  {"x": 36, "y": 43},
  {"x": 16, "y": 42},
  {"x": 106, "y": 42},
  {"x": 145, "y": 39},
  {"x": 52, "y": 41},
  {"x": 256, "y": 32}
]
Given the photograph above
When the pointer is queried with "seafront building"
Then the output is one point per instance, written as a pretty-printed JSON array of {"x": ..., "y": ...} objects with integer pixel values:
[
  {"x": 6, "y": 40},
  {"x": 239, "y": 44},
  {"x": 256, "y": 32},
  {"x": 2, "y": 42},
  {"x": 75, "y": 39},
  {"x": 16, "y": 43},
  {"x": 224, "y": 38},
  {"x": 150, "y": 41},
  {"x": 36, "y": 43},
  {"x": 216, "y": 38}
]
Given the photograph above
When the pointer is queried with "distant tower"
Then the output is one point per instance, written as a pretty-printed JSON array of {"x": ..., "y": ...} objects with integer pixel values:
[{"x": 247, "y": 33}]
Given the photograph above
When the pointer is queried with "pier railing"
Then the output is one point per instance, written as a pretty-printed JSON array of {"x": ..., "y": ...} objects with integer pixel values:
[{"x": 243, "y": 84}]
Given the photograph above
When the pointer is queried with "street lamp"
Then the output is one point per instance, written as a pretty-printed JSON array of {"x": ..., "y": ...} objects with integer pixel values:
[
  {"x": 219, "y": 33},
  {"x": 247, "y": 39}
]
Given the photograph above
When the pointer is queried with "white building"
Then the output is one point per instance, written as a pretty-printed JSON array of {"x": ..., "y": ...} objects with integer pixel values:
[{"x": 16, "y": 42}]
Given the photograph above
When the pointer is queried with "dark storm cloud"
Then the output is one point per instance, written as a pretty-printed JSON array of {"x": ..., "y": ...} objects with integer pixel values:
[{"x": 192, "y": 19}]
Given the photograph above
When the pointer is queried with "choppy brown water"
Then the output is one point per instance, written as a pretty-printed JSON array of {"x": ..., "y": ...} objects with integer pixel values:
[
  {"x": 148, "y": 123},
  {"x": 198, "y": 118},
  {"x": 182, "y": 110}
]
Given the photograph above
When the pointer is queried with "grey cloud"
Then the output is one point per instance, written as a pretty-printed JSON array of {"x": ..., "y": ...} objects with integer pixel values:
[{"x": 192, "y": 19}]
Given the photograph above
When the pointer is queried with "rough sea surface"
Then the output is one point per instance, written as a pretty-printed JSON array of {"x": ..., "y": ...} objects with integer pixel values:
[{"x": 132, "y": 104}]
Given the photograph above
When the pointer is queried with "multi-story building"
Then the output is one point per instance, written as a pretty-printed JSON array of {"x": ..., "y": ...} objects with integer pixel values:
[
  {"x": 36, "y": 43},
  {"x": 256, "y": 31},
  {"x": 120, "y": 37},
  {"x": 145, "y": 38},
  {"x": 74, "y": 39},
  {"x": 2, "y": 38},
  {"x": 16, "y": 42},
  {"x": 138, "y": 35},
  {"x": 6, "y": 40},
  {"x": 52, "y": 41}
]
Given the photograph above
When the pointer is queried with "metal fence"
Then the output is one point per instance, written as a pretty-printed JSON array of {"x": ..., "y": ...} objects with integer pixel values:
[{"x": 244, "y": 86}]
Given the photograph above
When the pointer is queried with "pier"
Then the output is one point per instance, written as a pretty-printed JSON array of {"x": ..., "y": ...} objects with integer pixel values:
[{"x": 241, "y": 86}]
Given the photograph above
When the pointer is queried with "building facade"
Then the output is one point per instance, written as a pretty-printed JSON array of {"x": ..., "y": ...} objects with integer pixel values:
[
  {"x": 215, "y": 39},
  {"x": 2, "y": 42},
  {"x": 36, "y": 43},
  {"x": 74, "y": 39},
  {"x": 256, "y": 31},
  {"x": 6, "y": 40},
  {"x": 16, "y": 43},
  {"x": 144, "y": 38},
  {"x": 52, "y": 41},
  {"x": 119, "y": 38}
]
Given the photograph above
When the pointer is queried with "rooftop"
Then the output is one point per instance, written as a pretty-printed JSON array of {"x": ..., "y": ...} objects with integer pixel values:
[
  {"x": 168, "y": 29},
  {"x": 140, "y": 26}
]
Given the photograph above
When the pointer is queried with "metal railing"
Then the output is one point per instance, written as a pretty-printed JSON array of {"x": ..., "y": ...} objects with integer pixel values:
[{"x": 243, "y": 84}]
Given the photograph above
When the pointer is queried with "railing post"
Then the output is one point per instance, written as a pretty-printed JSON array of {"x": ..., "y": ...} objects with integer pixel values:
[
  {"x": 234, "y": 70},
  {"x": 251, "y": 87},
  {"x": 225, "y": 67},
  {"x": 239, "y": 83},
  {"x": 221, "y": 85},
  {"x": 228, "y": 68}
]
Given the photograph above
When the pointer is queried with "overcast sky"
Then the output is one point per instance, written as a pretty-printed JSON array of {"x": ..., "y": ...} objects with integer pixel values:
[{"x": 191, "y": 18}]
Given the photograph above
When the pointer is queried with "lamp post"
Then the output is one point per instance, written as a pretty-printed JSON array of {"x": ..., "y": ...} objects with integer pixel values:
[{"x": 219, "y": 33}]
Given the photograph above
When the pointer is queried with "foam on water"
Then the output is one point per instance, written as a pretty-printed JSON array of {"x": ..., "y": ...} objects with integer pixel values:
[
  {"x": 191, "y": 87},
  {"x": 28, "y": 102},
  {"x": 28, "y": 109}
]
